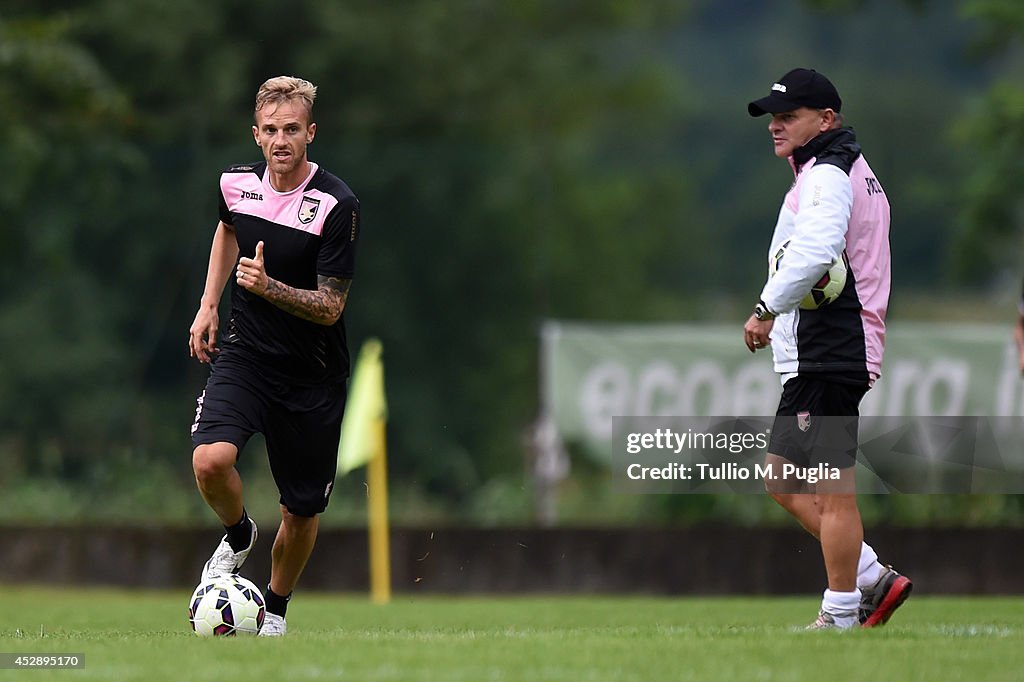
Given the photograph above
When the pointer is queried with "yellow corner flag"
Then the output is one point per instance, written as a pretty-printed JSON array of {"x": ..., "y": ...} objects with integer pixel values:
[{"x": 363, "y": 441}]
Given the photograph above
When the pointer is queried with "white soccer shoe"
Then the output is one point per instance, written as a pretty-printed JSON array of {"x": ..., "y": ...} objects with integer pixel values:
[
  {"x": 844, "y": 620},
  {"x": 225, "y": 560},
  {"x": 273, "y": 626}
]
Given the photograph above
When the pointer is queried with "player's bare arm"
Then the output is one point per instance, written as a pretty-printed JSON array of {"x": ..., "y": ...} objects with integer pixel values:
[
  {"x": 202, "y": 335},
  {"x": 1018, "y": 338},
  {"x": 322, "y": 306}
]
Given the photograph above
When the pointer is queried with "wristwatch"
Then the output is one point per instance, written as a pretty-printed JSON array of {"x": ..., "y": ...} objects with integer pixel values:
[{"x": 762, "y": 313}]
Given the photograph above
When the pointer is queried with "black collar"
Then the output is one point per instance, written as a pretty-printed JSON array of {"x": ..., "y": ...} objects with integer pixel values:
[{"x": 814, "y": 148}]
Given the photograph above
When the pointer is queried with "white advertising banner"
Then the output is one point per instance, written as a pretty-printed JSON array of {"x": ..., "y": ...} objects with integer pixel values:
[{"x": 592, "y": 373}]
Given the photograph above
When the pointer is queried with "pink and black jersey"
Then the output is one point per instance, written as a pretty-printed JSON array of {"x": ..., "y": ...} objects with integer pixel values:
[
  {"x": 836, "y": 205},
  {"x": 308, "y": 232}
]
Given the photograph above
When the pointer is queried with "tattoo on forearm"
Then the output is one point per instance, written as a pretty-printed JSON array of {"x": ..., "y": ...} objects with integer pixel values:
[
  {"x": 323, "y": 306},
  {"x": 335, "y": 284}
]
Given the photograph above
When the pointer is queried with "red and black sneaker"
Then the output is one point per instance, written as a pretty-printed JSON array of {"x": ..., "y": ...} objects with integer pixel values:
[{"x": 880, "y": 601}]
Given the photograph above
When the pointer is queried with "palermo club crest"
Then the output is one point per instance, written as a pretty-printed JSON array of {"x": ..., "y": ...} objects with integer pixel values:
[{"x": 308, "y": 209}]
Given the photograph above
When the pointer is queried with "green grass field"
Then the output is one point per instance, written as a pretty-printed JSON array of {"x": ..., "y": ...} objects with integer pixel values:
[{"x": 145, "y": 636}]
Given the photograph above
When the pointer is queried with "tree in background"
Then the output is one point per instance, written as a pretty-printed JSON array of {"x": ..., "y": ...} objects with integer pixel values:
[
  {"x": 515, "y": 161},
  {"x": 991, "y": 138},
  {"x": 66, "y": 118},
  {"x": 507, "y": 156}
]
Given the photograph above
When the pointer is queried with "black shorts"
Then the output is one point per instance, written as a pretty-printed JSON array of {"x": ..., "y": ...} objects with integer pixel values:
[
  {"x": 301, "y": 424},
  {"x": 816, "y": 423}
]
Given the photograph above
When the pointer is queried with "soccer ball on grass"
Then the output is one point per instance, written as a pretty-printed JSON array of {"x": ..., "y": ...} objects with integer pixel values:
[
  {"x": 226, "y": 605},
  {"x": 826, "y": 289}
]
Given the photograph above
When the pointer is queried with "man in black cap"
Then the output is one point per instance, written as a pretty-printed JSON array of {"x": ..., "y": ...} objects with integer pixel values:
[{"x": 828, "y": 354}]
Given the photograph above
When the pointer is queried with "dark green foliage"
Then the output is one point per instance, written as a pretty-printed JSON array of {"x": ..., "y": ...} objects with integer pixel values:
[
  {"x": 515, "y": 161},
  {"x": 507, "y": 157}
]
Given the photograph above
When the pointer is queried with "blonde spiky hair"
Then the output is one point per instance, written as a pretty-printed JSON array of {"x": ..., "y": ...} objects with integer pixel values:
[{"x": 283, "y": 88}]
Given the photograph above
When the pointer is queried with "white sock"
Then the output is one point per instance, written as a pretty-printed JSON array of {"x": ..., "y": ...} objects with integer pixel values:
[
  {"x": 842, "y": 606},
  {"x": 868, "y": 568}
]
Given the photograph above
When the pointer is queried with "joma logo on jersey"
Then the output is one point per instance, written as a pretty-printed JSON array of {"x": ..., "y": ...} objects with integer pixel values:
[
  {"x": 252, "y": 195},
  {"x": 308, "y": 209}
]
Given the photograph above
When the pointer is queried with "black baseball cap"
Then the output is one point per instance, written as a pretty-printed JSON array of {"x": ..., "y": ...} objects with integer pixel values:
[{"x": 798, "y": 88}]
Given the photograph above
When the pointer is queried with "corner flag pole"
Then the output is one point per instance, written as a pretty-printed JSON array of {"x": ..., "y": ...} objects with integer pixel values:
[
  {"x": 377, "y": 501},
  {"x": 363, "y": 441}
]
